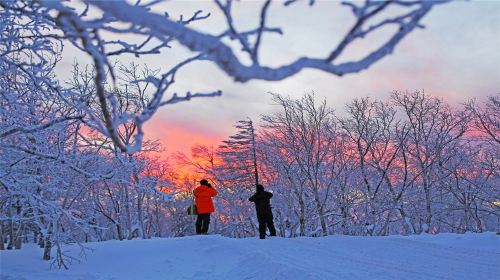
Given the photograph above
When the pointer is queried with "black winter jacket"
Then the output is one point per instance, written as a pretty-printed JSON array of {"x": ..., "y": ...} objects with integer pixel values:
[{"x": 261, "y": 200}]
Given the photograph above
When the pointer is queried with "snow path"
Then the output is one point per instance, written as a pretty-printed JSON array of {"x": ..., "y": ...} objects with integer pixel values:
[{"x": 445, "y": 256}]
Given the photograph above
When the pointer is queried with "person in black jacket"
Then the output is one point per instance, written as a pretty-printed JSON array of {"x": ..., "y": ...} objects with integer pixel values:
[{"x": 264, "y": 214}]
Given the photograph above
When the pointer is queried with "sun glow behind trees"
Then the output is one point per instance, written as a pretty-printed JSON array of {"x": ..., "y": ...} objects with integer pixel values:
[{"x": 378, "y": 173}]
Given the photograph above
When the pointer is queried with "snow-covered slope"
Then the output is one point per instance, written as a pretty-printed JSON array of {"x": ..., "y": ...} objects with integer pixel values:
[{"x": 445, "y": 256}]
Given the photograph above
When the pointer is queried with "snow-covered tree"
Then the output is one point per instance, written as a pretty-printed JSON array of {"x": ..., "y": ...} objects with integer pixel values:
[
  {"x": 486, "y": 118},
  {"x": 239, "y": 154},
  {"x": 87, "y": 27},
  {"x": 434, "y": 131},
  {"x": 308, "y": 134},
  {"x": 238, "y": 174}
]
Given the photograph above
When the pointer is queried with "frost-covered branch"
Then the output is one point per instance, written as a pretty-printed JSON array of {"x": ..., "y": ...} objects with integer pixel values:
[
  {"x": 36, "y": 128},
  {"x": 157, "y": 31},
  {"x": 487, "y": 117},
  {"x": 221, "y": 54}
]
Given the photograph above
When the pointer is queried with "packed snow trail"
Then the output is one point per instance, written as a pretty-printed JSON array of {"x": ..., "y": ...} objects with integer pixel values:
[{"x": 444, "y": 256}]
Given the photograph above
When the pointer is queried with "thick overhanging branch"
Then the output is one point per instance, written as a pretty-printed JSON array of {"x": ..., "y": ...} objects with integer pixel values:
[{"x": 221, "y": 54}]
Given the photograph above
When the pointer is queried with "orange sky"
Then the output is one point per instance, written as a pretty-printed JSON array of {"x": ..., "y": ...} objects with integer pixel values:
[{"x": 179, "y": 137}]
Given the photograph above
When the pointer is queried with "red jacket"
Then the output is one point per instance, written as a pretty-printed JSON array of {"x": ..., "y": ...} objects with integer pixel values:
[{"x": 204, "y": 196}]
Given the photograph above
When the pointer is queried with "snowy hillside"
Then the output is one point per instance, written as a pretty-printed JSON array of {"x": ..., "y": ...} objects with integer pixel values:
[{"x": 444, "y": 256}]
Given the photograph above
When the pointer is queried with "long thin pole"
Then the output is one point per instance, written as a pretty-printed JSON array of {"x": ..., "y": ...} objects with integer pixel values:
[{"x": 254, "y": 154}]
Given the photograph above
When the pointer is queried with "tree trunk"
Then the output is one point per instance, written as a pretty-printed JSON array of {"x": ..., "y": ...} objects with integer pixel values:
[
  {"x": 119, "y": 231},
  {"x": 370, "y": 216},
  {"x": 10, "y": 232},
  {"x": 344, "y": 211},
  {"x": 385, "y": 229},
  {"x": 407, "y": 225},
  {"x": 41, "y": 241},
  {"x": 477, "y": 219},
  {"x": 140, "y": 215},
  {"x": 428, "y": 210},
  {"x": 302, "y": 217},
  {"x": 127, "y": 214},
  {"x": 48, "y": 247},
  {"x": 466, "y": 214},
  {"x": 48, "y": 243},
  {"x": 343, "y": 224},
  {"x": 321, "y": 215},
  {"x": 18, "y": 240},
  {"x": 2, "y": 245}
]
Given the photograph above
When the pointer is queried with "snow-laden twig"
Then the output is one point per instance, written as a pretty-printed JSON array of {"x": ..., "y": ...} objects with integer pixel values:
[{"x": 216, "y": 51}]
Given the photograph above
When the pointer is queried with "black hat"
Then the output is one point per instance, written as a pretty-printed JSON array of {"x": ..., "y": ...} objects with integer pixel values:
[
  {"x": 260, "y": 188},
  {"x": 204, "y": 182}
]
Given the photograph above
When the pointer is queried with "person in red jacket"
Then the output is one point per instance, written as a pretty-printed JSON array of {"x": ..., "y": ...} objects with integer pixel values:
[{"x": 204, "y": 205}]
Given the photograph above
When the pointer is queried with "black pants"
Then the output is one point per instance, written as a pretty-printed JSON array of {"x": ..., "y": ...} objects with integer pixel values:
[
  {"x": 266, "y": 221},
  {"x": 202, "y": 222}
]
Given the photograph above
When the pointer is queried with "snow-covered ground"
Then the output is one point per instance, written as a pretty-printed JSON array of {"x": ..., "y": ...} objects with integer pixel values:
[{"x": 444, "y": 256}]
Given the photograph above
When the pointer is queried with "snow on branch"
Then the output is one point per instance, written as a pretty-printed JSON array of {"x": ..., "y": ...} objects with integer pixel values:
[
  {"x": 486, "y": 118},
  {"x": 37, "y": 128},
  {"x": 221, "y": 54},
  {"x": 157, "y": 32},
  {"x": 85, "y": 34}
]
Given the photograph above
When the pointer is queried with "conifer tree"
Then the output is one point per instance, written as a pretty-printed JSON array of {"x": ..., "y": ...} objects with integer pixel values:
[{"x": 239, "y": 153}]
